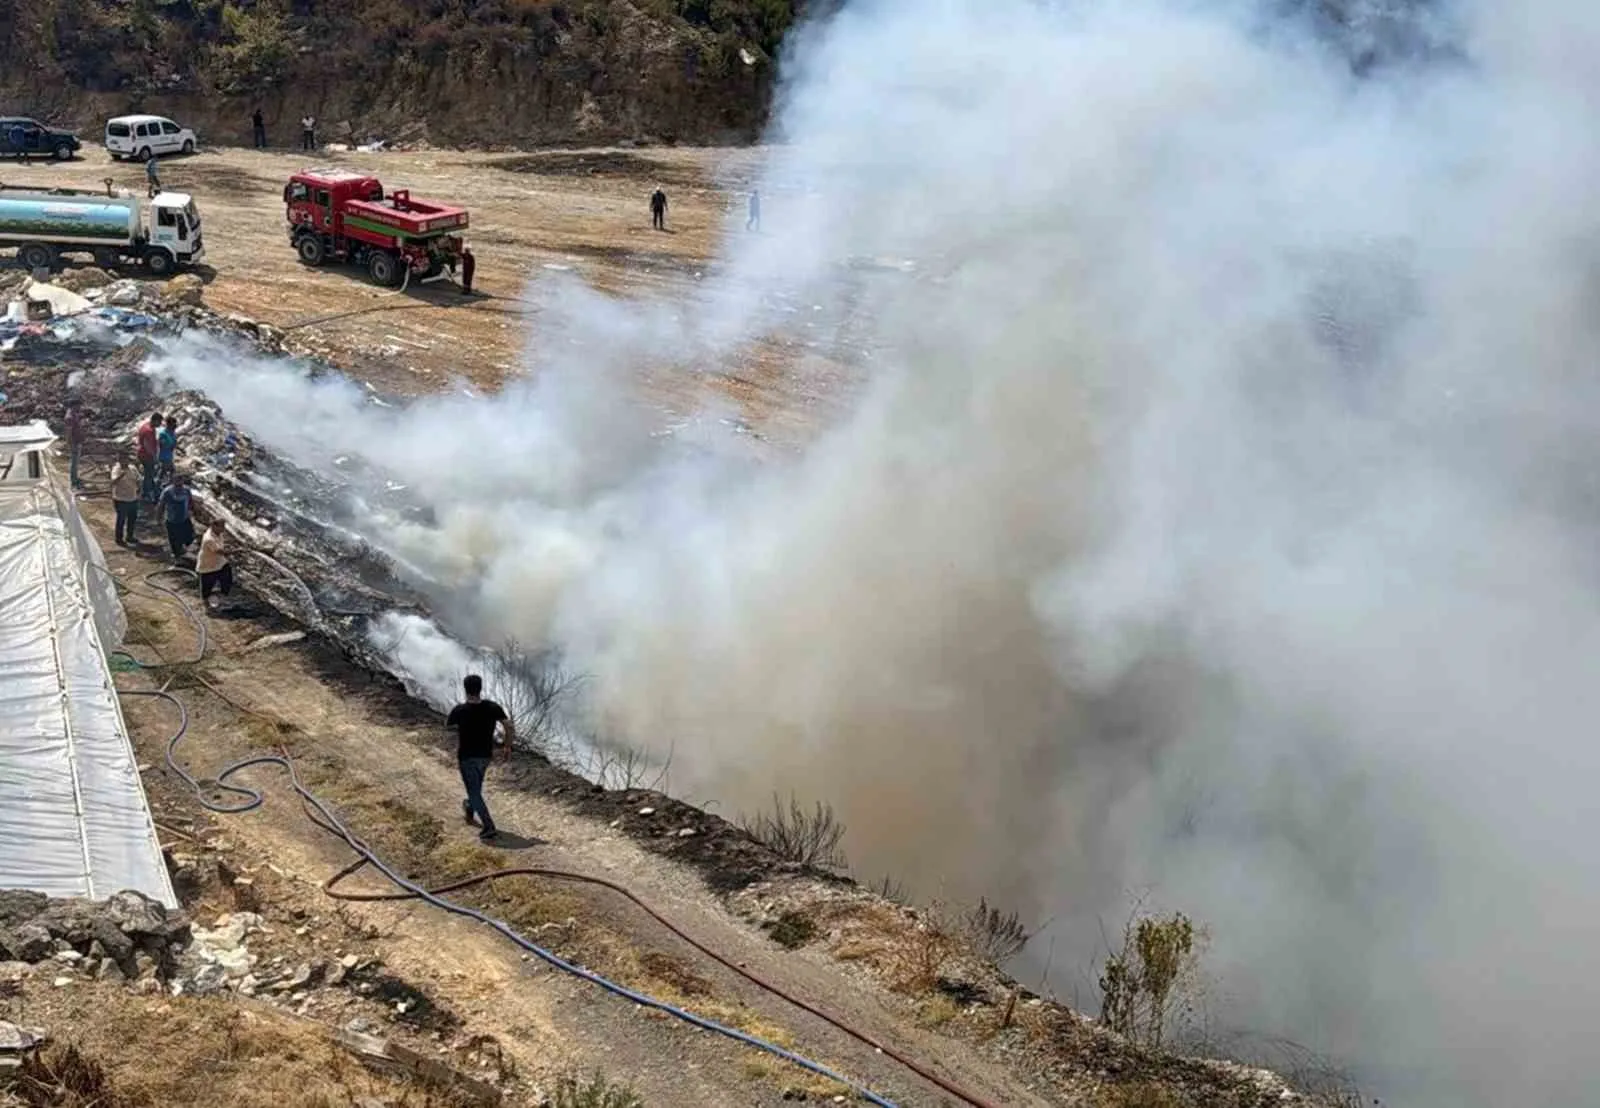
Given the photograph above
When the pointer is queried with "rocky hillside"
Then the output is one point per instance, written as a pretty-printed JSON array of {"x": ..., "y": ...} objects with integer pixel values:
[{"x": 456, "y": 72}]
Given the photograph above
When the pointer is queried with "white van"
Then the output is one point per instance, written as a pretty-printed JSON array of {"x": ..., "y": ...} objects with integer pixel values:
[{"x": 141, "y": 136}]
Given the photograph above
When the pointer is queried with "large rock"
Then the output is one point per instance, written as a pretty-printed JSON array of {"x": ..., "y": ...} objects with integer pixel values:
[
  {"x": 20, "y": 906},
  {"x": 136, "y": 915},
  {"x": 27, "y": 943},
  {"x": 185, "y": 288}
]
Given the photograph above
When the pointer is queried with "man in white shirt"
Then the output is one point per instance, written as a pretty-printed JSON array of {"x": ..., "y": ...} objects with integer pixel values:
[{"x": 308, "y": 132}]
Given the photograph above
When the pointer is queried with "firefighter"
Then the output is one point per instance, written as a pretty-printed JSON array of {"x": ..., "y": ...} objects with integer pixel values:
[
  {"x": 658, "y": 209},
  {"x": 468, "y": 264}
]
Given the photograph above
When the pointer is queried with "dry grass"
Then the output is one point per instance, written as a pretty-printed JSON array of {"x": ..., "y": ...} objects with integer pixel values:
[
  {"x": 937, "y": 1011},
  {"x": 1141, "y": 1094},
  {"x": 201, "y": 1051}
]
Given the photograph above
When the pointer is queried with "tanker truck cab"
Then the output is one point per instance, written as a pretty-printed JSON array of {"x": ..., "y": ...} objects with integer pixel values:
[{"x": 172, "y": 238}]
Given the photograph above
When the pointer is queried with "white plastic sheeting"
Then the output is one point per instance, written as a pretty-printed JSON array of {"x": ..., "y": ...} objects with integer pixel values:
[{"x": 74, "y": 820}]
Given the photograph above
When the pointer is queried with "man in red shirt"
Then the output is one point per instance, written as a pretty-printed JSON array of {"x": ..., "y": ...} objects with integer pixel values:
[{"x": 145, "y": 441}]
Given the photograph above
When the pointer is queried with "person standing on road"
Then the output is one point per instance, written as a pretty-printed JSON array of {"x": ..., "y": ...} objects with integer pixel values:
[
  {"x": 152, "y": 175},
  {"x": 216, "y": 572},
  {"x": 166, "y": 449},
  {"x": 308, "y": 132},
  {"x": 468, "y": 265},
  {"x": 175, "y": 502},
  {"x": 75, "y": 437},
  {"x": 754, "y": 222},
  {"x": 258, "y": 126},
  {"x": 145, "y": 441},
  {"x": 474, "y": 721},
  {"x": 658, "y": 209},
  {"x": 19, "y": 143},
  {"x": 125, "y": 498}
]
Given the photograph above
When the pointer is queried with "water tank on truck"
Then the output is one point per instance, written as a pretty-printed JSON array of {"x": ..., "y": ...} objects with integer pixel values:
[{"x": 44, "y": 224}]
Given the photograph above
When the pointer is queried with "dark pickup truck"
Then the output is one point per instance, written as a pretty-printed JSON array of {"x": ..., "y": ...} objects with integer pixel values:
[{"x": 21, "y": 137}]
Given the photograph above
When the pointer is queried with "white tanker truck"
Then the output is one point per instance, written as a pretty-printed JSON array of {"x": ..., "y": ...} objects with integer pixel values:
[{"x": 162, "y": 234}]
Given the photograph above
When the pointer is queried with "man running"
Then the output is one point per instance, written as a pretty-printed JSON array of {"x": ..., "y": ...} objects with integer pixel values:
[
  {"x": 474, "y": 721},
  {"x": 658, "y": 210}
]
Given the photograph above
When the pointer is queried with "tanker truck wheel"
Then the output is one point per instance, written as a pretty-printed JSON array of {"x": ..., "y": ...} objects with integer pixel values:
[
  {"x": 383, "y": 268},
  {"x": 311, "y": 249},
  {"x": 160, "y": 263},
  {"x": 37, "y": 255}
]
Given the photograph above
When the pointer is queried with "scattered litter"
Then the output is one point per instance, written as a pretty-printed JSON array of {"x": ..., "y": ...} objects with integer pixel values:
[
  {"x": 61, "y": 301},
  {"x": 283, "y": 638},
  {"x": 647, "y": 811}
]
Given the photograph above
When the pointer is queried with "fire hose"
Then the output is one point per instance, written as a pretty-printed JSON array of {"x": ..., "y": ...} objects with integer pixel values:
[{"x": 320, "y": 815}]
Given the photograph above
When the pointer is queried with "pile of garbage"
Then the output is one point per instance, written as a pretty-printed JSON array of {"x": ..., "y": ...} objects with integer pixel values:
[{"x": 128, "y": 937}]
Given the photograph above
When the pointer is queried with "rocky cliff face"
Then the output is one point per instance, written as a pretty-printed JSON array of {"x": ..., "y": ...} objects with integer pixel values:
[{"x": 456, "y": 72}]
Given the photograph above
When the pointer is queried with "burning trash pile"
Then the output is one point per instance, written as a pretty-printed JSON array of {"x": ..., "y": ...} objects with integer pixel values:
[{"x": 285, "y": 520}]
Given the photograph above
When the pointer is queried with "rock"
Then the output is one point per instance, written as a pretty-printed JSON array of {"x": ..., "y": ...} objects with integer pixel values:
[
  {"x": 297, "y": 980},
  {"x": 123, "y": 294},
  {"x": 135, "y": 915},
  {"x": 12, "y": 975},
  {"x": 145, "y": 966},
  {"x": 83, "y": 279},
  {"x": 208, "y": 979},
  {"x": 61, "y": 982},
  {"x": 15, "y": 1039},
  {"x": 350, "y": 961},
  {"x": 28, "y": 943},
  {"x": 687, "y": 833},
  {"x": 18, "y": 906},
  {"x": 68, "y": 956},
  {"x": 185, "y": 288},
  {"x": 647, "y": 811},
  {"x": 109, "y": 971}
]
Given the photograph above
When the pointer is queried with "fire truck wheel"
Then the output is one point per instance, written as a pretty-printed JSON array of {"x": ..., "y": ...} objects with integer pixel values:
[
  {"x": 383, "y": 268},
  {"x": 311, "y": 249}
]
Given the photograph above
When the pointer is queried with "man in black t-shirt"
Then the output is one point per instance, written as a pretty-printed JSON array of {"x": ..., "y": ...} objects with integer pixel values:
[{"x": 475, "y": 720}]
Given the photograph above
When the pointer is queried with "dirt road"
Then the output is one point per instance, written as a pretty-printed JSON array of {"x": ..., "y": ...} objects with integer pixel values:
[{"x": 580, "y": 213}]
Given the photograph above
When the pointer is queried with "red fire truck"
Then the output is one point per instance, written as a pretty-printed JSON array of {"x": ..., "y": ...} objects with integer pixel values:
[{"x": 338, "y": 215}]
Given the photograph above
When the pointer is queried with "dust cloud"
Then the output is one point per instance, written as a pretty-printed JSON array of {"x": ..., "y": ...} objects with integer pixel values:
[{"x": 1214, "y": 515}]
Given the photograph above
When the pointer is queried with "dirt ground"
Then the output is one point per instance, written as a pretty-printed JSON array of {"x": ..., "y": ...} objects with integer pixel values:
[{"x": 583, "y": 213}]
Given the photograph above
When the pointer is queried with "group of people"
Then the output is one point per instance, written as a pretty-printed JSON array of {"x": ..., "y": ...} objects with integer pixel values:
[
  {"x": 658, "y": 210},
  {"x": 149, "y": 476},
  {"x": 308, "y": 130}
]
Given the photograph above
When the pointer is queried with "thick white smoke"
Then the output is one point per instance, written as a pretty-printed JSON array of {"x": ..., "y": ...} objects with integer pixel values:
[{"x": 1214, "y": 513}]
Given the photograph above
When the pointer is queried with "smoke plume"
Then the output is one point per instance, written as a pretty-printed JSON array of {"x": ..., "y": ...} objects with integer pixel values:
[{"x": 1213, "y": 511}]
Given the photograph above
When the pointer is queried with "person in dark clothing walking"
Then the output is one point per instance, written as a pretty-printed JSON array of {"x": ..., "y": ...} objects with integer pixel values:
[
  {"x": 754, "y": 222},
  {"x": 174, "y": 502},
  {"x": 475, "y": 720},
  {"x": 658, "y": 210},
  {"x": 258, "y": 124},
  {"x": 19, "y": 143},
  {"x": 468, "y": 265}
]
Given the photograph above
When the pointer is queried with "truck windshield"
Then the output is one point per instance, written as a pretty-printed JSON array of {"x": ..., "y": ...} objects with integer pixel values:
[{"x": 193, "y": 214}]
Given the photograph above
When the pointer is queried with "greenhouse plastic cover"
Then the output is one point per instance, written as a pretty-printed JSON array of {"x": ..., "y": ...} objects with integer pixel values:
[{"x": 74, "y": 820}]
